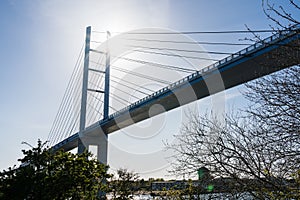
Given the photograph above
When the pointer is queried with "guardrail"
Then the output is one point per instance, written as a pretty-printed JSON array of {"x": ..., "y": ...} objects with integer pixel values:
[
  {"x": 204, "y": 71},
  {"x": 65, "y": 141},
  {"x": 240, "y": 54}
]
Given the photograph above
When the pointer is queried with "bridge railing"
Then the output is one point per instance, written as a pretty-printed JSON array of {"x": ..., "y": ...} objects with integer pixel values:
[
  {"x": 200, "y": 73},
  {"x": 65, "y": 141},
  {"x": 240, "y": 54}
]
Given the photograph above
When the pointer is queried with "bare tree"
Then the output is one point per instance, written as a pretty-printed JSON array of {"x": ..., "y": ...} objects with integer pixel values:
[
  {"x": 275, "y": 101},
  {"x": 279, "y": 15},
  {"x": 256, "y": 161},
  {"x": 258, "y": 150}
]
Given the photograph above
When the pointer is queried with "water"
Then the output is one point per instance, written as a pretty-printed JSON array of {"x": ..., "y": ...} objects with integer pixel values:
[{"x": 219, "y": 196}]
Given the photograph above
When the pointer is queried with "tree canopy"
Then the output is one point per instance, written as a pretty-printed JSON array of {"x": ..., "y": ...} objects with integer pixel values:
[
  {"x": 47, "y": 175},
  {"x": 257, "y": 149}
]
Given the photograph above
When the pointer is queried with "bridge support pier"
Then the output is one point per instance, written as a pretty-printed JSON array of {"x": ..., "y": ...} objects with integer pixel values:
[{"x": 94, "y": 138}]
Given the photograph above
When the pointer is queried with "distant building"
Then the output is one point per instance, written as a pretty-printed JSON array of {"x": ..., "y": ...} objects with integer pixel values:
[{"x": 167, "y": 185}]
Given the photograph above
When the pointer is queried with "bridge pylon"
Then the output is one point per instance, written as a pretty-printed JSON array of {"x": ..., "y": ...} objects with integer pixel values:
[{"x": 94, "y": 137}]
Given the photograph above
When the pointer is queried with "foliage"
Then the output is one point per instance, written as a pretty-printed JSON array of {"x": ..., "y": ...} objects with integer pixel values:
[
  {"x": 124, "y": 185},
  {"x": 258, "y": 150},
  {"x": 47, "y": 175}
]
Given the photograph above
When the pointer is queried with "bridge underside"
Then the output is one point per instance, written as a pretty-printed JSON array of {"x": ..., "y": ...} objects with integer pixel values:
[
  {"x": 251, "y": 65},
  {"x": 237, "y": 72}
]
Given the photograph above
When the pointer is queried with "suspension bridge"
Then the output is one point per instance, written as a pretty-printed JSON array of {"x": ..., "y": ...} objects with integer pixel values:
[{"x": 84, "y": 115}]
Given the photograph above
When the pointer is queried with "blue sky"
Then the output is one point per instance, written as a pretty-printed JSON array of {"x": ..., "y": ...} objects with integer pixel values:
[{"x": 40, "y": 41}]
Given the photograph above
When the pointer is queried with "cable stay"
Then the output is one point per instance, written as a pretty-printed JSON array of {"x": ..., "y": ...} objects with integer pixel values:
[
  {"x": 101, "y": 32},
  {"x": 187, "y": 42},
  {"x": 184, "y": 50},
  {"x": 66, "y": 99},
  {"x": 74, "y": 124},
  {"x": 94, "y": 41},
  {"x": 134, "y": 84},
  {"x": 202, "y": 32},
  {"x": 99, "y": 103},
  {"x": 94, "y": 108},
  {"x": 129, "y": 87},
  {"x": 117, "y": 97},
  {"x": 181, "y": 69},
  {"x": 67, "y": 113},
  {"x": 175, "y": 55},
  {"x": 125, "y": 91},
  {"x": 118, "y": 100},
  {"x": 140, "y": 75},
  {"x": 97, "y": 51}
]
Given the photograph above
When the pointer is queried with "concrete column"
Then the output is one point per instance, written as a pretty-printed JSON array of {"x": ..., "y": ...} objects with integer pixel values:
[{"x": 96, "y": 137}]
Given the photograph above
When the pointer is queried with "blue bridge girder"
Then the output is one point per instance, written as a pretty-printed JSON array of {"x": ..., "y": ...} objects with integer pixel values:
[{"x": 272, "y": 54}]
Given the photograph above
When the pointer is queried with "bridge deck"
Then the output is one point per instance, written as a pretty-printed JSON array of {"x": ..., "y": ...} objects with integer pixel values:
[{"x": 272, "y": 54}]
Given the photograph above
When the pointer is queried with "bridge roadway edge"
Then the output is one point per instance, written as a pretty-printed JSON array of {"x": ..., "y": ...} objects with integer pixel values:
[{"x": 235, "y": 72}]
